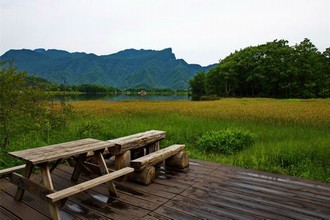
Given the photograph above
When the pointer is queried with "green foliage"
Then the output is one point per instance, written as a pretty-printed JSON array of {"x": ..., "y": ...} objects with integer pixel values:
[
  {"x": 197, "y": 86},
  {"x": 23, "y": 107},
  {"x": 295, "y": 148},
  {"x": 274, "y": 69},
  {"x": 20, "y": 104},
  {"x": 88, "y": 129},
  {"x": 224, "y": 141}
]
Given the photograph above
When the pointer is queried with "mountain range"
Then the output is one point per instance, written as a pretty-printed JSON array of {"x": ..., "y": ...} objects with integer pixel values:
[{"x": 124, "y": 70}]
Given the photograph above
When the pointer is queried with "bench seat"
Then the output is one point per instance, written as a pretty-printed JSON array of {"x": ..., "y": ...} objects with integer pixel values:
[
  {"x": 62, "y": 194},
  {"x": 11, "y": 170},
  {"x": 155, "y": 157}
]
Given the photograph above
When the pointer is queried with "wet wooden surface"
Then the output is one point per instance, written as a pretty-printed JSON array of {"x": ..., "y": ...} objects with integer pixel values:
[{"x": 203, "y": 191}]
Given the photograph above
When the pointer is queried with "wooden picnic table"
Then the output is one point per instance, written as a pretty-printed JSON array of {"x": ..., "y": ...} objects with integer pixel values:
[{"x": 48, "y": 157}]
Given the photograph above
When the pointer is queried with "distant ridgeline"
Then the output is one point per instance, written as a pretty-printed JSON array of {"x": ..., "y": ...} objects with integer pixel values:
[
  {"x": 274, "y": 69},
  {"x": 128, "y": 69}
]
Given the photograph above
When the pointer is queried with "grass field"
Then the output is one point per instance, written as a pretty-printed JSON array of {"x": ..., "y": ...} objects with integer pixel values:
[{"x": 291, "y": 136}]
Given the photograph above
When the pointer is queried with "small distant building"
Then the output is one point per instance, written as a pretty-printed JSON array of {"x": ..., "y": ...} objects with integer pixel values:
[{"x": 142, "y": 92}]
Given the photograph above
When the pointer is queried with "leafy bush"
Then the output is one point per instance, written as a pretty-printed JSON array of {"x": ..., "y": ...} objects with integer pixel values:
[{"x": 225, "y": 141}]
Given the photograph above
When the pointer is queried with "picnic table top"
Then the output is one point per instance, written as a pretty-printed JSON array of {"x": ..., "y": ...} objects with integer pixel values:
[{"x": 60, "y": 151}]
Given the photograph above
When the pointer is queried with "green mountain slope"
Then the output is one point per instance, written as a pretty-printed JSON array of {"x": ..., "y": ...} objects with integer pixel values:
[{"x": 126, "y": 69}]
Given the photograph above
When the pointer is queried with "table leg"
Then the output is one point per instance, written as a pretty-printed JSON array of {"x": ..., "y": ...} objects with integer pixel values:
[
  {"x": 104, "y": 170},
  {"x": 77, "y": 169},
  {"x": 47, "y": 181},
  {"x": 26, "y": 173},
  {"x": 55, "y": 165}
]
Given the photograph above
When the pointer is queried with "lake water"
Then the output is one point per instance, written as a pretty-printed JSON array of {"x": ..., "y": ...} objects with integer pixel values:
[{"x": 122, "y": 97}]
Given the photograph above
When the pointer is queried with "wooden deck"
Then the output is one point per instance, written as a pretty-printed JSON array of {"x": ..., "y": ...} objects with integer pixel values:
[{"x": 203, "y": 191}]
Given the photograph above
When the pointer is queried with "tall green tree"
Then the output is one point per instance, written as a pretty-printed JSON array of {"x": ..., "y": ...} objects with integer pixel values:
[
  {"x": 324, "y": 80},
  {"x": 308, "y": 68},
  {"x": 197, "y": 86},
  {"x": 20, "y": 104},
  {"x": 274, "y": 69}
]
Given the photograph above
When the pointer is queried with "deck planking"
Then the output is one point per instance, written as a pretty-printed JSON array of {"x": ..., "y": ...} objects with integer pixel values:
[{"x": 203, "y": 191}]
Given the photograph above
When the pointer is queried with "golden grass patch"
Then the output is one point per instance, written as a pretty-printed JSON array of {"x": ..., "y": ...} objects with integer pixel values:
[{"x": 314, "y": 111}]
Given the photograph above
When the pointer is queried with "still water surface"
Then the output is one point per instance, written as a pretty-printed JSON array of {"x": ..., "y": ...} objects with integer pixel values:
[{"x": 122, "y": 97}]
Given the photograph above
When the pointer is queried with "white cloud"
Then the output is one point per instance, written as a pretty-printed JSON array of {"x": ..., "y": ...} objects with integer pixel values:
[{"x": 199, "y": 31}]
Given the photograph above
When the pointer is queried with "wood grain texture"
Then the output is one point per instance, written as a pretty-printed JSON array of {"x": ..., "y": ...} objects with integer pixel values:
[
  {"x": 155, "y": 157},
  {"x": 5, "y": 172},
  {"x": 26, "y": 173},
  {"x": 146, "y": 176},
  {"x": 136, "y": 141},
  {"x": 179, "y": 160},
  {"x": 61, "y": 151},
  {"x": 203, "y": 191},
  {"x": 88, "y": 184}
]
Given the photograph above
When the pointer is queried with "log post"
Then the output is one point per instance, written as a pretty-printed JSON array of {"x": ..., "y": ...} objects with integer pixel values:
[
  {"x": 180, "y": 160},
  {"x": 136, "y": 153},
  {"x": 146, "y": 176},
  {"x": 152, "y": 147},
  {"x": 123, "y": 160}
]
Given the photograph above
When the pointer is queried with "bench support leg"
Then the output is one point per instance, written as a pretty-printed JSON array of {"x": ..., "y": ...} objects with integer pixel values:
[
  {"x": 27, "y": 173},
  {"x": 104, "y": 170},
  {"x": 123, "y": 160},
  {"x": 153, "y": 147},
  {"x": 146, "y": 176},
  {"x": 77, "y": 169},
  {"x": 47, "y": 181}
]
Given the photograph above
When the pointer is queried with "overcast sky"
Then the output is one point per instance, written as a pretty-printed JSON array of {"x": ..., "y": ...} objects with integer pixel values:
[{"x": 199, "y": 31}]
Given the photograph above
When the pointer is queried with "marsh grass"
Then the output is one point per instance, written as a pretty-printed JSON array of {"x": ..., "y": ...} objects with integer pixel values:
[{"x": 289, "y": 137}]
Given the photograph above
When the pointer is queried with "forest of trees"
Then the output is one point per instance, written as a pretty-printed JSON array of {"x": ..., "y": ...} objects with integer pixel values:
[{"x": 274, "y": 69}]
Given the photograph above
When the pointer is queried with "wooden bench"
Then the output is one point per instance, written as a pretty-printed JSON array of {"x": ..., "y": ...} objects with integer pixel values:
[
  {"x": 130, "y": 147},
  {"x": 10, "y": 170},
  {"x": 173, "y": 155},
  {"x": 48, "y": 157},
  {"x": 63, "y": 194}
]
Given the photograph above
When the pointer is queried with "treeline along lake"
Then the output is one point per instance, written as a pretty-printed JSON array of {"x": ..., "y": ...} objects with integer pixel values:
[{"x": 120, "y": 97}]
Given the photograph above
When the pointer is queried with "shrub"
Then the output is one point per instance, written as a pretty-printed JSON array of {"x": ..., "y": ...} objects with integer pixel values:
[{"x": 225, "y": 141}]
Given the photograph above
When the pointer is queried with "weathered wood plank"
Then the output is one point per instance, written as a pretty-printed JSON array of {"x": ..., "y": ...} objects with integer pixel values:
[
  {"x": 255, "y": 195},
  {"x": 180, "y": 160},
  {"x": 78, "y": 167},
  {"x": 7, "y": 215},
  {"x": 54, "y": 152},
  {"x": 23, "y": 153},
  {"x": 26, "y": 173},
  {"x": 146, "y": 176},
  {"x": 10, "y": 170},
  {"x": 155, "y": 157},
  {"x": 152, "y": 147},
  {"x": 128, "y": 195},
  {"x": 203, "y": 210},
  {"x": 171, "y": 213},
  {"x": 202, "y": 191},
  {"x": 19, "y": 209},
  {"x": 103, "y": 206},
  {"x": 257, "y": 204},
  {"x": 32, "y": 201},
  {"x": 56, "y": 196},
  {"x": 273, "y": 188},
  {"x": 31, "y": 186},
  {"x": 136, "y": 141},
  {"x": 104, "y": 171},
  {"x": 137, "y": 135},
  {"x": 47, "y": 181},
  {"x": 123, "y": 160}
]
